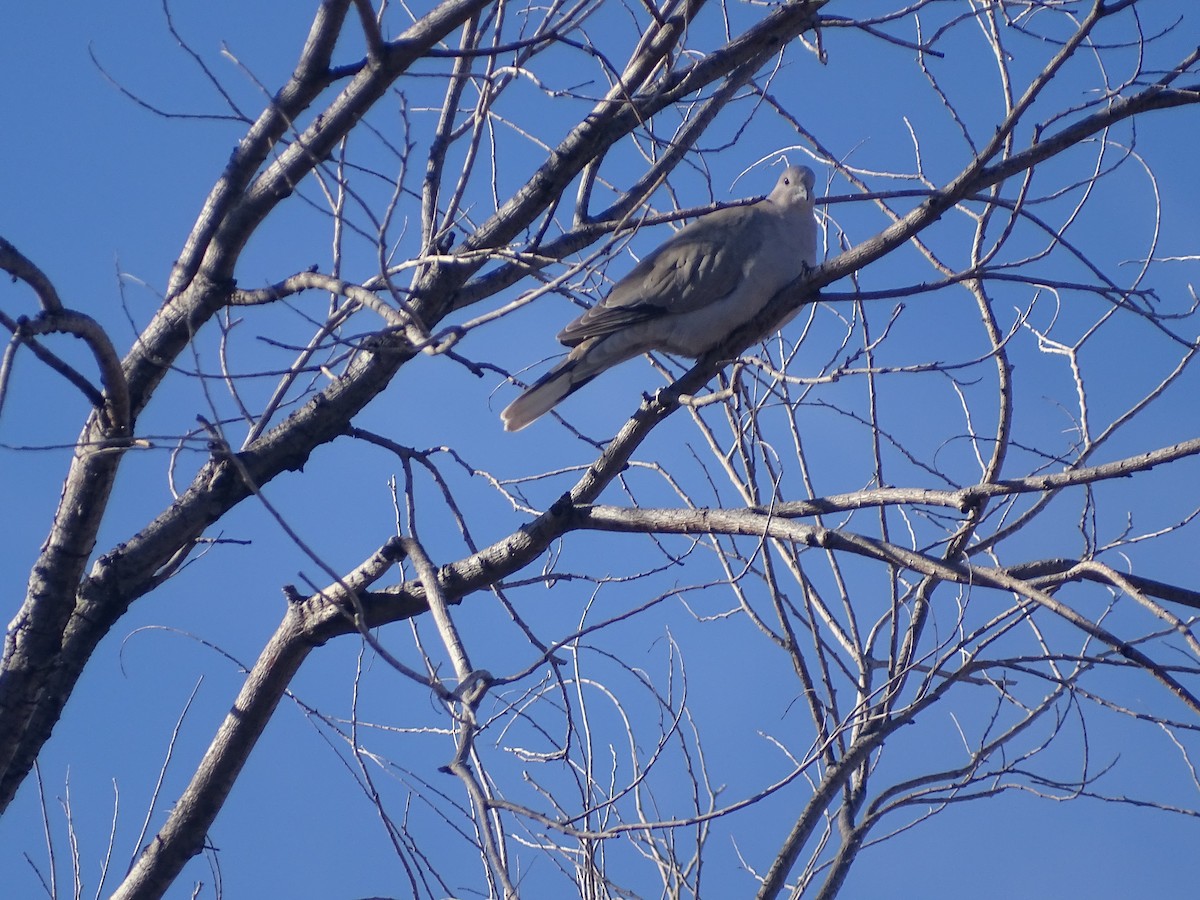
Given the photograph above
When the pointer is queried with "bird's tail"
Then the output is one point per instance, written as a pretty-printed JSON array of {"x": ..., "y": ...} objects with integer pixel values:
[{"x": 547, "y": 392}]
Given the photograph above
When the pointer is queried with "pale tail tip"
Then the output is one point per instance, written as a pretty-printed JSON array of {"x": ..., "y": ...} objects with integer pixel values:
[{"x": 511, "y": 421}]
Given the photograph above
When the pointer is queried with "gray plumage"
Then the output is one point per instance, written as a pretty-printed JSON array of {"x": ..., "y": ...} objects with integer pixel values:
[{"x": 707, "y": 279}]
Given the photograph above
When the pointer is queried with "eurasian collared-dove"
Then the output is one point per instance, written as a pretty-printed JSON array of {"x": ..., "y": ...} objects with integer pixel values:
[{"x": 710, "y": 277}]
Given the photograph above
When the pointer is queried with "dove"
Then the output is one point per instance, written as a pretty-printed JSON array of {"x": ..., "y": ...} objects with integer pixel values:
[{"x": 710, "y": 277}]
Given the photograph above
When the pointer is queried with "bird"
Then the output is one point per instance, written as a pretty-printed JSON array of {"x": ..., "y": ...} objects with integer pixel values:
[{"x": 710, "y": 277}]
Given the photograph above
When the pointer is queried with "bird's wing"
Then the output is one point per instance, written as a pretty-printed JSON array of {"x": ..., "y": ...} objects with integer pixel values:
[{"x": 699, "y": 265}]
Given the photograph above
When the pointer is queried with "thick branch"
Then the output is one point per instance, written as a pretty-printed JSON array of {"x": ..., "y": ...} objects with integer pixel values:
[
  {"x": 39, "y": 672},
  {"x": 182, "y": 837}
]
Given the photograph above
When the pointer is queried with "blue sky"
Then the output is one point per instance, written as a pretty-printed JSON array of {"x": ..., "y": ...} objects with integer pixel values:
[{"x": 94, "y": 186}]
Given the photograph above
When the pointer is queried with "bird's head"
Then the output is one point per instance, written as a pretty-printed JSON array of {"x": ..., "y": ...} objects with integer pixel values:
[{"x": 794, "y": 188}]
